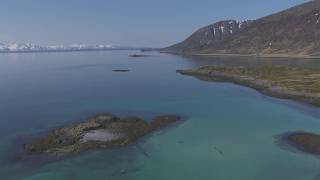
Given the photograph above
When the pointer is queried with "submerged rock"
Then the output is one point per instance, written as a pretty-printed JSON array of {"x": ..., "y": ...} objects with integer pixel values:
[{"x": 102, "y": 131}]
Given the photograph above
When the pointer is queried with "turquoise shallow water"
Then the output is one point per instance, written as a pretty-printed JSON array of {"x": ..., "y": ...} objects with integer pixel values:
[{"x": 229, "y": 131}]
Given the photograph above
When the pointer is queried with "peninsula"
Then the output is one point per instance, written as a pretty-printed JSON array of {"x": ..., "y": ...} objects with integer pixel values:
[{"x": 282, "y": 82}]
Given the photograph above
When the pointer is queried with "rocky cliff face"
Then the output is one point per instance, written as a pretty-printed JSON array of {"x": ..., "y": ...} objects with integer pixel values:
[
  {"x": 209, "y": 35},
  {"x": 295, "y": 31}
]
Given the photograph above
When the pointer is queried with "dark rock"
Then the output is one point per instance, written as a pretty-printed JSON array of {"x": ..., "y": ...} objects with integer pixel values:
[
  {"x": 137, "y": 55},
  {"x": 121, "y": 70}
]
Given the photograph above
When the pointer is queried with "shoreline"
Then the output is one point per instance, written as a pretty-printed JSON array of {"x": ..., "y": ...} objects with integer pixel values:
[
  {"x": 259, "y": 55},
  {"x": 263, "y": 86},
  {"x": 245, "y": 55}
]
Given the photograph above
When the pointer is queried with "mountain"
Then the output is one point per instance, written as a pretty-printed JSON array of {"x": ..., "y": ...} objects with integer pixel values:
[
  {"x": 28, "y": 47},
  {"x": 209, "y": 35},
  {"x": 3, "y": 47},
  {"x": 294, "y": 31}
]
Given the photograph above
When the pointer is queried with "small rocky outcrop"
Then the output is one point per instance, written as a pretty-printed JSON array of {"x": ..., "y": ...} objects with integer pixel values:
[
  {"x": 102, "y": 131},
  {"x": 302, "y": 141},
  {"x": 121, "y": 70},
  {"x": 138, "y": 55}
]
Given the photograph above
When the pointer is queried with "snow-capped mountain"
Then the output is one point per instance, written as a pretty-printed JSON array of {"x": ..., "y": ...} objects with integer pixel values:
[
  {"x": 23, "y": 47},
  {"x": 209, "y": 35},
  {"x": 3, "y": 47},
  {"x": 28, "y": 47}
]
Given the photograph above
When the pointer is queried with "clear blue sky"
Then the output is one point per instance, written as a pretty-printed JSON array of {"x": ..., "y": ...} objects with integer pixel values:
[{"x": 154, "y": 23}]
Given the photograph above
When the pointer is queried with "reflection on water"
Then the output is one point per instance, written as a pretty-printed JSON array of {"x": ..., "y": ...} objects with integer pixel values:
[{"x": 253, "y": 61}]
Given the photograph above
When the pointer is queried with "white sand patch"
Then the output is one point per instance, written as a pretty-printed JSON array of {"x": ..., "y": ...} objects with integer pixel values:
[{"x": 101, "y": 135}]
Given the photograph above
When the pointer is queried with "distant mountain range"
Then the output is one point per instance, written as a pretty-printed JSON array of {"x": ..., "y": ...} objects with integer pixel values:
[
  {"x": 28, "y": 47},
  {"x": 295, "y": 31}
]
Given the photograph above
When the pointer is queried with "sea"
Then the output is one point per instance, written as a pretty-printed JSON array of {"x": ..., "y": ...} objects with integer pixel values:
[{"x": 228, "y": 132}]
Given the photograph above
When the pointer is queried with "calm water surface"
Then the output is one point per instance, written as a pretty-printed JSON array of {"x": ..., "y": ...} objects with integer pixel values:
[{"x": 229, "y": 132}]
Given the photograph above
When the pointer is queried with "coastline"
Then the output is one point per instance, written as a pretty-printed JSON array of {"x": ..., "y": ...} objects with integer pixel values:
[
  {"x": 263, "y": 86},
  {"x": 292, "y": 56},
  {"x": 259, "y": 55}
]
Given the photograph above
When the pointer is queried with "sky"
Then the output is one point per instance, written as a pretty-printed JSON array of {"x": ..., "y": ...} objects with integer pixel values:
[{"x": 139, "y": 23}]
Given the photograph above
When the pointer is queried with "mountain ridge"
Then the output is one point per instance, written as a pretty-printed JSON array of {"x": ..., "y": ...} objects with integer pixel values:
[
  {"x": 292, "y": 32},
  {"x": 213, "y": 33}
]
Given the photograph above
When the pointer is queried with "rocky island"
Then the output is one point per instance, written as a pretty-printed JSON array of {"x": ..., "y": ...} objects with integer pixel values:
[
  {"x": 300, "y": 84},
  {"x": 102, "y": 131}
]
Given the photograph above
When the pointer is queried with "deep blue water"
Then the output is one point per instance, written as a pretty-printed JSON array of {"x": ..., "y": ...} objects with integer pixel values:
[{"x": 229, "y": 132}]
